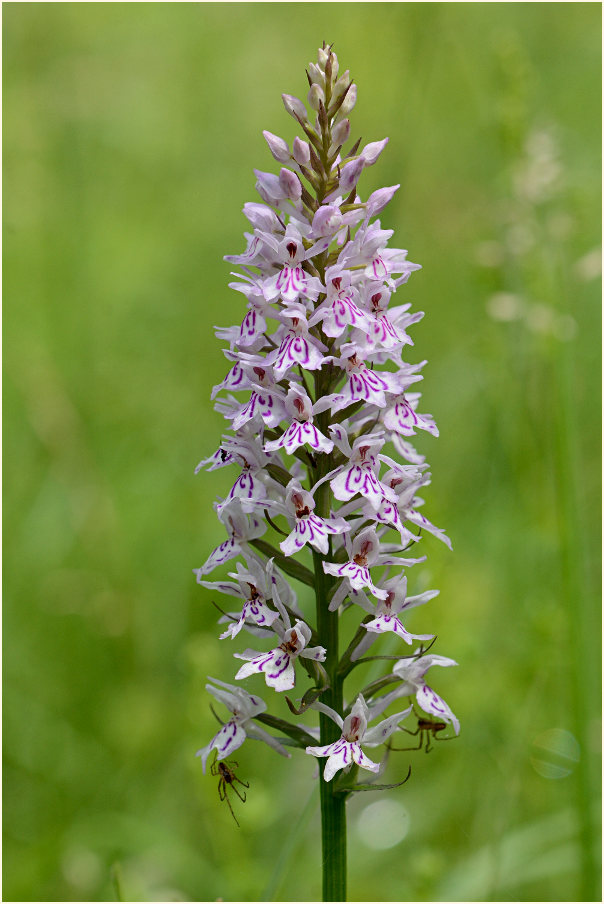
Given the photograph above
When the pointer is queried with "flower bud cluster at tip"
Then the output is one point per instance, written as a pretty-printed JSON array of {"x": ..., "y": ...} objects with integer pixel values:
[{"x": 318, "y": 357}]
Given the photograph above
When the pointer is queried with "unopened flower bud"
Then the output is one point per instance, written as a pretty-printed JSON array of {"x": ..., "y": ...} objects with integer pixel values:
[
  {"x": 341, "y": 133},
  {"x": 268, "y": 187},
  {"x": 328, "y": 64},
  {"x": 334, "y": 66},
  {"x": 349, "y": 175},
  {"x": 316, "y": 96},
  {"x": 322, "y": 57},
  {"x": 290, "y": 184},
  {"x": 327, "y": 220},
  {"x": 348, "y": 102},
  {"x": 294, "y": 106},
  {"x": 277, "y": 146},
  {"x": 340, "y": 86},
  {"x": 260, "y": 216},
  {"x": 316, "y": 74},
  {"x": 378, "y": 200},
  {"x": 301, "y": 151},
  {"x": 372, "y": 151}
]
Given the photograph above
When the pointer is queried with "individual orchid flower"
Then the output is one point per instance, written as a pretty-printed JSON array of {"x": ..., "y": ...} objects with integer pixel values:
[
  {"x": 250, "y": 486},
  {"x": 387, "y": 613},
  {"x": 401, "y": 417},
  {"x": 249, "y": 335},
  {"x": 369, "y": 240},
  {"x": 292, "y": 281},
  {"x": 364, "y": 553},
  {"x": 278, "y": 665},
  {"x": 387, "y": 513},
  {"x": 298, "y": 348},
  {"x": 389, "y": 261},
  {"x": 234, "y": 380},
  {"x": 241, "y": 528},
  {"x": 362, "y": 384},
  {"x": 252, "y": 332},
  {"x": 252, "y": 587},
  {"x": 412, "y": 673},
  {"x": 382, "y": 261},
  {"x": 347, "y": 750},
  {"x": 360, "y": 473},
  {"x": 407, "y": 502},
  {"x": 266, "y": 402},
  {"x": 387, "y": 326},
  {"x": 244, "y": 708},
  {"x": 256, "y": 250},
  {"x": 339, "y": 309},
  {"x": 301, "y": 431},
  {"x": 309, "y": 528}
]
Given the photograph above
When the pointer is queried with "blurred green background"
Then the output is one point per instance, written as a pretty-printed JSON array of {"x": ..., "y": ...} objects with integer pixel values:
[{"x": 130, "y": 136}]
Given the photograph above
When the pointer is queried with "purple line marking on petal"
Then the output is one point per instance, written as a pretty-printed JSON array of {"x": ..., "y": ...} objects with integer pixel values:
[{"x": 283, "y": 658}]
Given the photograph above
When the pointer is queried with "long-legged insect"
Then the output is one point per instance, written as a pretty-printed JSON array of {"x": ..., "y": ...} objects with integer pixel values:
[
  {"x": 227, "y": 778},
  {"x": 427, "y": 729}
]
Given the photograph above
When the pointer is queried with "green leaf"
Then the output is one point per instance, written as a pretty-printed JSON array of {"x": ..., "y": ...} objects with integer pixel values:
[
  {"x": 279, "y": 474},
  {"x": 287, "y": 564},
  {"x": 308, "y": 699},
  {"x": 301, "y": 737},
  {"x": 371, "y": 786}
]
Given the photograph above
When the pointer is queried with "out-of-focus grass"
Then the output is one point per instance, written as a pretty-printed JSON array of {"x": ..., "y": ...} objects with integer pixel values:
[{"x": 131, "y": 132}]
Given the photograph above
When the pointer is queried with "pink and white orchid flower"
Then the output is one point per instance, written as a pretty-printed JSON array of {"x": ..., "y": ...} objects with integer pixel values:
[
  {"x": 244, "y": 708},
  {"x": 347, "y": 750}
]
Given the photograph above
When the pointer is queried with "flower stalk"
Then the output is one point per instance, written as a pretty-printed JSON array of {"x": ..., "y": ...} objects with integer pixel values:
[{"x": 317, "y": 500}]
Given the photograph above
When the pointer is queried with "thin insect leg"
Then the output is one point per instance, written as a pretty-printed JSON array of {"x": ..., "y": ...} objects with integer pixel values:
[
  {"x": 222, "y": 794},
  {"x": 231, "y": 809},
  {"x": 241, "y": 782},
  {"x": 428, "y": 742},
  {"x": 419, "y": 746},
  {"x": 423, "y": 650},
  {"x": 240, "y": 794},
  {"x": 408, "y": 730},
  {"x": 436, "y": 738}
]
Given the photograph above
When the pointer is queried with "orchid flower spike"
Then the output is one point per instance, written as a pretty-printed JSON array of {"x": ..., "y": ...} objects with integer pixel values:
[{"x": 321, "y": 411}]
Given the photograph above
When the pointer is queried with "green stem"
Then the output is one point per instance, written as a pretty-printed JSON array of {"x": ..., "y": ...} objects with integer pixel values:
[
  {"x": 333, "y": 806},
  {"x": 333, "y": 839}
]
